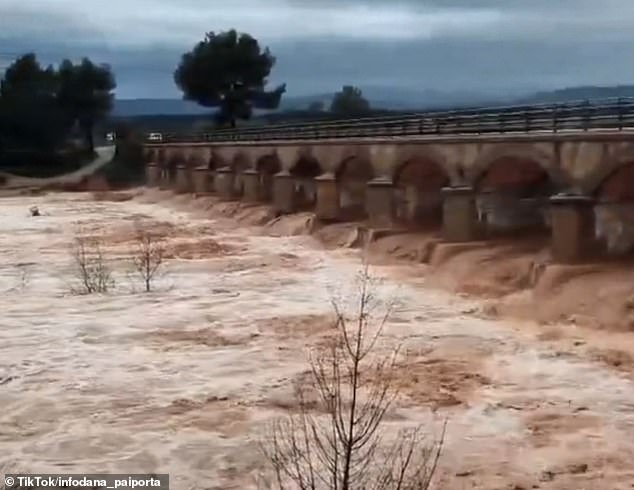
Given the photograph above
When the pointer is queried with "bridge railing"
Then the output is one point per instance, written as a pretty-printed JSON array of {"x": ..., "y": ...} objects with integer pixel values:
[{"x": 612, "y": 114}]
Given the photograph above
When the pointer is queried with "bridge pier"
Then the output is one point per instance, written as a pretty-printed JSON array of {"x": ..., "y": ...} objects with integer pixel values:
[
  {"x": 164, "y": 180},
  {"x": 328, "y": 200},
  {"x": 152, "y": 175},
  {"x": 573, "y": 228},
  {"x": 252, "y": 189},
  {"x": 182, "y": 185},
  {"x": 380, "y": 203},
  {"x": 224, "y": 183},
  {"x": 460, "y": 215},
  {"x": 284, "y": 193},
  {"x": 201, "y": 180}
]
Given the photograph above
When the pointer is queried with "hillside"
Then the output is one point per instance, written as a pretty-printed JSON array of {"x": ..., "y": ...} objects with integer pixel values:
[
  {"x": 580, "y": 93},
  {"x": 388, "y": 98},
  {"x": 174, "y": 115}
]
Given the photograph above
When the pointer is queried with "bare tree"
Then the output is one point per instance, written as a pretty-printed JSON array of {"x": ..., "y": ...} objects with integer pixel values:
[
  {"x": 335, "y": 440},
  {"x": 91, "y": 267},
  {"x": 148, "y": 254}
]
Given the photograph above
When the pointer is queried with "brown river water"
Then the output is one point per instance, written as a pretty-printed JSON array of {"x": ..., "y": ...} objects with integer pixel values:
[{"x": 182, "y": 380}]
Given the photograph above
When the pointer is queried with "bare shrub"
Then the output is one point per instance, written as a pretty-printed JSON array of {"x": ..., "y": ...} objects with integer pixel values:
[
  {"x": 335, "y": 439},
  {"x": 148, "y": 254},
  {"x": 91, "y": 269}
]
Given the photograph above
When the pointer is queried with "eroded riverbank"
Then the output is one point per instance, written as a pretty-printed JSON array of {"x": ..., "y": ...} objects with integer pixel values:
[{"x": 182, "y": 380}]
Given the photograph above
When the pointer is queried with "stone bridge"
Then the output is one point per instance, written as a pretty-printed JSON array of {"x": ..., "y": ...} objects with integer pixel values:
[{"x": 576, "y": 185}]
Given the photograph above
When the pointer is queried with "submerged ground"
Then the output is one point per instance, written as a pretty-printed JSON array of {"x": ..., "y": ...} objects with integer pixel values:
[{"x": 182, "y": 380}]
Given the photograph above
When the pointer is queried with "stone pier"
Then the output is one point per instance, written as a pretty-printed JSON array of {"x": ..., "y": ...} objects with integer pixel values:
[
  {"x": 224, "y": 183},
  {"x": 328, "y": 200},
  {"x": 573, "y": 228},
  {"x": 284, "y": 193},
  {"x": 460, "y": 215},
  {"x": 380, "y": 203}
]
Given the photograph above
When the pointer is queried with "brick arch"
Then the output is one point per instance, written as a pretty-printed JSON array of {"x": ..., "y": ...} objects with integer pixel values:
[
  {"x": 512, "y": 192},
  {"x": 353, "y": 174},
  {"x": 423, "y": 153},
  {"x": 618, "y": 186},
  {"x": 306, "y": 167},
  {"x": 195, "y": 160},
  {"x": 268, "y": 164},
  {"x": 175, "y": 159},
  {"x": 212, "y": 162},
  {"x": 356, "y": 168},
  {"x": 240, "y": 162},
  {"x": 418, "y": 184},
  {"x": 304, "y": 171},
  {"x": 216, "y": 161},
  {"x": 516, "y": 174},
  {"x": 150, "y": 156},
  {"x": 610, "y": 166},
  {"x": 526, "y": 160},
  {"x": 161, "y": 156},
  {"x": 421, "y": 172}
]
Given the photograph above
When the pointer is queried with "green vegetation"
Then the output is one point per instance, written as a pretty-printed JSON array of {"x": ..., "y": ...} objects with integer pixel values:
[
  {"x": 350, "y": 102},
  {"x": 85, "y": 94},
  {"x": 127, "y": 167},
  {"x": 44, "y": 109},
  {"x": 228, "y": 71}
]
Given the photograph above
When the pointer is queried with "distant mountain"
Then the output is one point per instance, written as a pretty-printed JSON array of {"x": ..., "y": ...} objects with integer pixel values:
[
  {"x": 580, "y": 93},
  {"x": 389, "y": 98},
  {"x": 153, "y": 107}
]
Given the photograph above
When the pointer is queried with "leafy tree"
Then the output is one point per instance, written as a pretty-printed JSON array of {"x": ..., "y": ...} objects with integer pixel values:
[
  {"x": 30, "y": 114},
  {"x": 25, "y": 77},
  {"x": 86, "y": 95},
  {"x": 228, "y": 71},
  {"x": 349, "y": 101}
]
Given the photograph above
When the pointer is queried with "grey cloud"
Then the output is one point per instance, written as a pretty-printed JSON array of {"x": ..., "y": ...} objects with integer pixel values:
[{"x": 322, "y": 44}]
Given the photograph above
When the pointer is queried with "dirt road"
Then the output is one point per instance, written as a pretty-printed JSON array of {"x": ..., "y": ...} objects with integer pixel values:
[{"x": 183, "y": 379}]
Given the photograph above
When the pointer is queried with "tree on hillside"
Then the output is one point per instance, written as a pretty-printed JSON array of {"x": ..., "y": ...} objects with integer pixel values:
[
  {"x": 86, "y": 94},
  {"x": 349, "y": 101},
  {"x": 228, "y": 71}
]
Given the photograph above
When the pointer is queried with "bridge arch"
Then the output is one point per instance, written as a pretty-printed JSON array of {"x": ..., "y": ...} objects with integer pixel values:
[
  {"x": 513, "y": 187},
  {"x": 613, "y": 190},
  {"x": 418, "y": 183},
  {"x": 353, "y": 174},
  {"x": 527, "y": 156},
  {"x": 618, "y": 185},
  {"x": 194, "y": 160},
  {"x": 149, "y": 155},
  {"x": 304, "y": 171},
  {"x": 611, "y": 164},
  {"x": 174, "y": 160},
  {"x": 267, "y": 166},
  {"x": 238, "y": 163}
]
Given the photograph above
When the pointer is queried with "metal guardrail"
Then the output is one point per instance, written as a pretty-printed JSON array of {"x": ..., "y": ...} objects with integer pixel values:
[{"x": 586, "y": 115}]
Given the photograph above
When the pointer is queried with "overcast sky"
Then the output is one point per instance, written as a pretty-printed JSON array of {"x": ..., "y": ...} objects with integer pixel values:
[{"x": 505, "y": 45}]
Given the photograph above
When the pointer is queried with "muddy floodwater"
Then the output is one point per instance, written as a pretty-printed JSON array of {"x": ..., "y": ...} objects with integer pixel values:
[{"x": 182, "y": 380}]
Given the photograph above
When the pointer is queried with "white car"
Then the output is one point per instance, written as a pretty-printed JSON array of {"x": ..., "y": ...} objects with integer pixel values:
[{"x": 155, "y": 137}]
